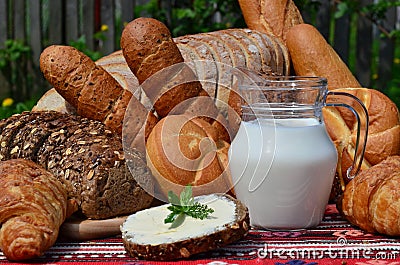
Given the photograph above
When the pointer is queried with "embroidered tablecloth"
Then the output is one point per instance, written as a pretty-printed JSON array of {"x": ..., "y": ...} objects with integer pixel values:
[{"x": 334, "y": 241}]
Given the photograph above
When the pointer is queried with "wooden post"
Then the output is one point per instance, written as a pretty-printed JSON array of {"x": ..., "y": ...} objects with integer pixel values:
[
  {"x": 56, "y": 29},
  {"x": 386, "y": 52},
  {"x": 19, "y": 20},
  {"x": 71, "y": 21},
  {"x": 364, "y": 48},
  {"x": 35, "y": 25},
  {"x": 3, "y": 37},
  {"x": 108, "y": 18},
  {"x": 3, "y": 22},
  {"x": 88, "y": 22},
  {"x": 127, "y": 11},
  {"x": 323, "y": 19},
  {"x": 342, "y": 37}
]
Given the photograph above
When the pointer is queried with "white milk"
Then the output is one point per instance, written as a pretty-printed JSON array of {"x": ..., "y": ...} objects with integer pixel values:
[{"x": 283, "y": 172}]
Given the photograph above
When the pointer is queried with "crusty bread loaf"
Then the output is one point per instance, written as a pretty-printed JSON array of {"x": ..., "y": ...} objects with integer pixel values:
[
  {"x": 271, "y": 16},
  {"x": 33, "y": 205},
  {"x": 205, "y": 55},
  {"x": 84, "y": 155},
  {"x": 90, "y": 89},
  {"x": 312, "y": 55},
  {"x": 148, "y": 48},
  {"x": 222, "y": 50},
  {"x": 182, "y": 150},
  {"x": 383, "y": 133},
  {"x": 371, "y": 200}
]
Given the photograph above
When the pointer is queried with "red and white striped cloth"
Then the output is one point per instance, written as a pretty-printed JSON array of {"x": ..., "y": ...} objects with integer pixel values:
[{"x": 334, "y": 241}]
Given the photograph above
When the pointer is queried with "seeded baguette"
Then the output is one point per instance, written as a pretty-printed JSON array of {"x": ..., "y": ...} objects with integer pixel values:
[
  {"x": 148, "y": 48},
  {"x": 92, "y": 90},
  {"x": 84, "y": 155}
]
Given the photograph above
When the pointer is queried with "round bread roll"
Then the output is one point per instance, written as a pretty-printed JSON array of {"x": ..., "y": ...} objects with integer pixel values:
[
  {"x": 183, "y": 150},
  {"x": 383, "y": 133}
]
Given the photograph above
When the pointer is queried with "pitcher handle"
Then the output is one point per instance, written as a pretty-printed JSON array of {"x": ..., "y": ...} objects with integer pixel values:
[{"x": 362, "y": 125}]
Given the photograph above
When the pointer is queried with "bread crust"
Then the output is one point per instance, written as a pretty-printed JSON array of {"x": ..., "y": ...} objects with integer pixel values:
[
  {"x": 184, "y": 150},
  {"x": 312, "y": 55},
  {"x": 270, "y": 16},
  {"x": 89, "y": 88},
  {"x": 33, "y": 205},
  {"x": 371, "y": 199}
]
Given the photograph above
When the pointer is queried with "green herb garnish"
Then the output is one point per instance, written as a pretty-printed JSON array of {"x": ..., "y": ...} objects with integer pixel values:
[{"x": 185, "y": 205}]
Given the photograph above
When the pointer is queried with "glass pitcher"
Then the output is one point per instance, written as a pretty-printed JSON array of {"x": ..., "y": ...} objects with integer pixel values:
[{"x": 282, "y": 160}]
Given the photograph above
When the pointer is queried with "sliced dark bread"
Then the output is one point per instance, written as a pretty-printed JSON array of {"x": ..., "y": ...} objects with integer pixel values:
[{"x": 85, "y": 156}]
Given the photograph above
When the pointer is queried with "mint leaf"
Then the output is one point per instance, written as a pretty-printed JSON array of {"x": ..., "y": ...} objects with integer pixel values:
[
  {"x": 184, "y": 205},
  {"x": 186, "y": 196}
]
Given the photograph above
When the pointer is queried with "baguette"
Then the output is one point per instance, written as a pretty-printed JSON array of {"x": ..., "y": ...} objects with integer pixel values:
[
  {"x": 312, "y": 55},
  {"x": 91, "y": 90},
  {"x": 85, "y": 156},
  {"x": 148, "y": 48},
  {"x": 271, "y": 16}
]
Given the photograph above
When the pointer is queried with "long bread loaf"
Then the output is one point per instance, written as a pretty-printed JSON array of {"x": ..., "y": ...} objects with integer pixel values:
[
  {"x": 271, "y": 16},
  {"x": 93, "y": 91},
  {"x": 156, "y": 61},
  {"x": 86, "y": 156},
  {"x": 312, "y": 55},
  {"x": 209, "y": 54}
]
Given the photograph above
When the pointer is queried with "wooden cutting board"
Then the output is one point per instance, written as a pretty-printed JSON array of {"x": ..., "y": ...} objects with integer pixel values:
[{"x": 79, "y": 229}]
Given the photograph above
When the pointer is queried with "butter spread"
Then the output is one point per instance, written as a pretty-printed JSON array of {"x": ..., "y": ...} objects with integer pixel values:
[{"x": 148, "y": 227}]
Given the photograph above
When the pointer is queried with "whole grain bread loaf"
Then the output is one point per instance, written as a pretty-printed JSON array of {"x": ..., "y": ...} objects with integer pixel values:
[
  {"x": 84, "y": 155},
  {"x": 93, "y": 91}
]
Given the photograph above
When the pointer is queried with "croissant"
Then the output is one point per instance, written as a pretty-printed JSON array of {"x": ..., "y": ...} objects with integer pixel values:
[
  {"x": 33, "y": 205},
  {"x": 371, "y": 200}
]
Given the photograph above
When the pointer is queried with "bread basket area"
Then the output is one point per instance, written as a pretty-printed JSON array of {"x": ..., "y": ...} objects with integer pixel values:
[{"x": 126, "y": 160}]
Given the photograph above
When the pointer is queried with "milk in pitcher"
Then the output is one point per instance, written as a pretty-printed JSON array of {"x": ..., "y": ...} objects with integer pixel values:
[{"x": 283, "y": 171}]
